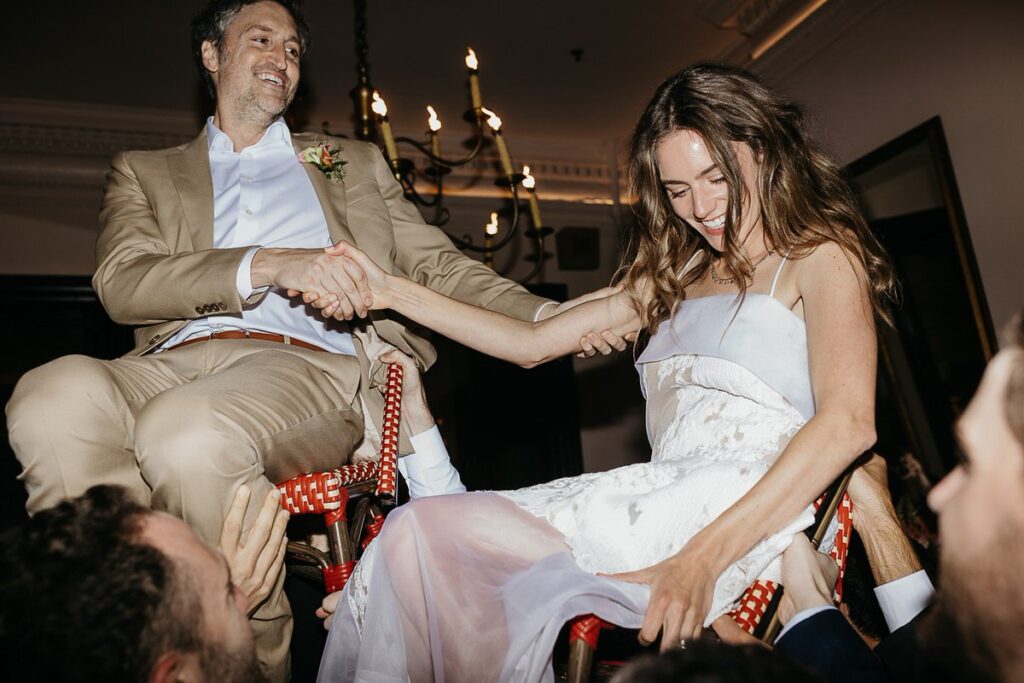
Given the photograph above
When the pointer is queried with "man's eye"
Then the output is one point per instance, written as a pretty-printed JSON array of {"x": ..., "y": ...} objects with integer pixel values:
[
  {"x": 293, "y": 52},
  {"x": 261, "y": 39}
]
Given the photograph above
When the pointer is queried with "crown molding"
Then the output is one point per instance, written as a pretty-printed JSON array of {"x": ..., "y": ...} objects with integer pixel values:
[{"x": 69, "y": 144}]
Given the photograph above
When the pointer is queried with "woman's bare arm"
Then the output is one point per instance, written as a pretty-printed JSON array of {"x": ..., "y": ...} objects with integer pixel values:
[{"x": 525, "y": 343}]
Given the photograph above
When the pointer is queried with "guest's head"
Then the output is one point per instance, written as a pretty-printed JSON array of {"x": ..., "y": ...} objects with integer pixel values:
[
  {"x": 248, "y": 54},
  {"x": 718, "y": 160},
  {"x": 980, "y": 505},
  {"x": 100, "y": 588},
  {"x": 709, "y": 661}
]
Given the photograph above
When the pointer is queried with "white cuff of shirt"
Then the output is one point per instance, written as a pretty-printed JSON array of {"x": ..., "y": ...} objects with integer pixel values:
[
  {"x": 803, "y": 615},
  {"x": 536, "y": 316},
  {"x": 243, "y": 276},
  {"x": 903, "y": 599},
  {"x": 428, "y": 471}
]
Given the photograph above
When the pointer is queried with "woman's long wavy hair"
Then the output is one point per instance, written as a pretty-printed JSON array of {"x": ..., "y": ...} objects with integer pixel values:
[{"x": 805, "y": 200}]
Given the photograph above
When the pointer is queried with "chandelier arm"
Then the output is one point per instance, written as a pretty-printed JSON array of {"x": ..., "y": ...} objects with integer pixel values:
[
  {"x": 409, "y": 183},
  {"x": 468, "y": 245},
  {"x": 449, "y": 163},
  {"x": 538, "y": 251}
]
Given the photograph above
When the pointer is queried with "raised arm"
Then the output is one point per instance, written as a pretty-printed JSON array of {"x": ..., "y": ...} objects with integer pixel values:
[{"x": 522, "y": 342}]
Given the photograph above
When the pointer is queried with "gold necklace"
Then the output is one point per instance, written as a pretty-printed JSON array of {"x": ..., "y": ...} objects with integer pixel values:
[{"x": 729, "y": 280}]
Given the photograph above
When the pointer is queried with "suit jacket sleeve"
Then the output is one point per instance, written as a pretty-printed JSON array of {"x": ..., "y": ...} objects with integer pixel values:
[
  {"x": 145, "y": 275},
  {"x": 900, "y": 652},
  {"x": 828, "y": 645},
  {"x": 423, "y": 253}
]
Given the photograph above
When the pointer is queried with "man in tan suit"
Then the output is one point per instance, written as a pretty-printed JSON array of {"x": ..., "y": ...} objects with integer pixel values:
[{"x": 229, "y": 381}]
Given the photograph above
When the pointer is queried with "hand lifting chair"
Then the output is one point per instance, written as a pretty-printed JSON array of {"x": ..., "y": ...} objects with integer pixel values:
[
  {"x": 368, "y": 487},
  {"x": 757, "y": 612}
]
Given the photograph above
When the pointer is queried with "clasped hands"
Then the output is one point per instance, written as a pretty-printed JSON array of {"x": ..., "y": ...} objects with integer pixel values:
[{"x": 343, "y": 283}]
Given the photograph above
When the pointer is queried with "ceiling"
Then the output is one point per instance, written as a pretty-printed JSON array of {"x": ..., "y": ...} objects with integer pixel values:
[{"x": 131, "y": 53}]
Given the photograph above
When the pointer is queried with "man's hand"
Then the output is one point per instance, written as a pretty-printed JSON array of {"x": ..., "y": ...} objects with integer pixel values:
[
  {"x": 314, "y": 271},
  {"x": 593, "y": 342},
  {"x": 809, "y": 578},
  {"x": 415, "y": 411},
  {"x": 255, "y": 562},
  {"x": 327, "y": 609}
]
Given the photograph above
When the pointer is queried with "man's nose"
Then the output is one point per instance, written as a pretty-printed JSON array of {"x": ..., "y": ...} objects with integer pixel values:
[{"x": 944, "y": 491}]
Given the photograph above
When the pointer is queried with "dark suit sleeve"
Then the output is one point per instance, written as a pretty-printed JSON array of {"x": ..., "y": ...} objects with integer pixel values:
[
  {"x": 828, "y": 645},
  {"x": 899, "y": 652}
]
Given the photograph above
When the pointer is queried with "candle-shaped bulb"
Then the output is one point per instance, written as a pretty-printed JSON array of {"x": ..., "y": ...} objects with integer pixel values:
[
  {"x": 471, "y": 61},
  {"x": 529, "y": 182},
  {"x": 433, "y": 121},
  {"x": 493, "y": 120},
  {"x": 378, "y": 106},
  {"x": 491, "y": 229}
]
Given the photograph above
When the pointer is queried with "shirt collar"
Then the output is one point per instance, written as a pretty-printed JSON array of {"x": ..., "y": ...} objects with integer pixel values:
[{"x": 277, "y": 134}]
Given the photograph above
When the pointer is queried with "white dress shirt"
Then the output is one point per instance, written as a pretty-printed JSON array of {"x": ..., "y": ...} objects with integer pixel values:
[
  {"x": 263, "y": 197},
  {"x": 901, "y": 600}
]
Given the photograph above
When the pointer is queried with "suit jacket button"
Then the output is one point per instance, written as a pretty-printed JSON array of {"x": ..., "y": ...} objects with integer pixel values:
[
  {"x": 221, "y": 306},
  {"x": 199, "y": 309},
  {"x": 153, "y": 340}
]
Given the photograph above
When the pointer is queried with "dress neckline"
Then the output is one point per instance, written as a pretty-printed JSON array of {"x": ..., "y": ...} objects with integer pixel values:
[{"x": 748, "y": 295}]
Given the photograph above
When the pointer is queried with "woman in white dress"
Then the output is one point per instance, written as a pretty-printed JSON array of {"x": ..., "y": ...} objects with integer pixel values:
[{"x": 759, "y": 282}]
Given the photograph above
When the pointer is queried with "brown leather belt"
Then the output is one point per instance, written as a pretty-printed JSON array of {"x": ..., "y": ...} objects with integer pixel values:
[{"x": 259, "y": 336}]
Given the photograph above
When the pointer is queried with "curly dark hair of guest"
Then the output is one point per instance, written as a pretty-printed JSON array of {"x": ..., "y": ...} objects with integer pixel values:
[
  {"x": 82, "y": 600},
  {"x": 805, "y": 200},
  {"x": 212, "y": 23},
  {"x": 711, "y": 661}
]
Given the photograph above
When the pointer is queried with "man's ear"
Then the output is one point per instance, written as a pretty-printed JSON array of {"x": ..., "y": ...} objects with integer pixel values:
[
  {"x": 177, "y": 667},
  {"x": 211, "y": 56}
]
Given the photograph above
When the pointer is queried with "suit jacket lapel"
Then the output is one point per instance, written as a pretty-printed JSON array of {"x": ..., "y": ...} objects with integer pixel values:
[
  {"x": 190, "y": 172},
  {"x": 330, "y": 193}
]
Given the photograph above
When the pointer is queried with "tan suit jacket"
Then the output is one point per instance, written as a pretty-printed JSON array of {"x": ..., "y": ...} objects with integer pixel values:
[{"x": 157, "y": 268}]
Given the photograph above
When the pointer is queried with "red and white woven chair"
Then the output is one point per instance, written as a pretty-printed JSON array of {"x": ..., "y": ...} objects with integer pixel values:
[
  {"x": 757, "y": 610},
  {"x": 368, "y": 486}
]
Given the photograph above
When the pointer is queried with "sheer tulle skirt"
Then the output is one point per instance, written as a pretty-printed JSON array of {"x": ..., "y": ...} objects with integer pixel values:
[{"x": 466, "y": 588}]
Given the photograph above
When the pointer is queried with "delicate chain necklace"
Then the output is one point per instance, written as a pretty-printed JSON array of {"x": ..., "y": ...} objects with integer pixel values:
[{"x": 729, "y": 280}]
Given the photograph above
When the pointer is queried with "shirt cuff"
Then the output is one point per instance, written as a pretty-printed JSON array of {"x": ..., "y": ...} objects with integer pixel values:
[
  {"x": 429, "y": 471},
  {"x": 243, "y": 276},
  {"x": 802, "y": 616},
  {"x": 536, "y": 316},
  {"x": 903, "y": 599}
]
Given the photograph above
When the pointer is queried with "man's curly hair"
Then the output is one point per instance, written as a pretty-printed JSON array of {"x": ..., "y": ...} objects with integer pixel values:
[{"x": 83, "y": 599}]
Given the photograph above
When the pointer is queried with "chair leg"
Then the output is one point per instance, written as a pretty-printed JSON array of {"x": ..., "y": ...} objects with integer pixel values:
[
  {"x": 583, "y": 637},
  {"x": 341, "y": 550}
]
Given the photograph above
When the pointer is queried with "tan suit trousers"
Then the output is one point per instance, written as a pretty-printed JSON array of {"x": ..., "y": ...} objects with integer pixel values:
[{"x": 183, "y": 429}]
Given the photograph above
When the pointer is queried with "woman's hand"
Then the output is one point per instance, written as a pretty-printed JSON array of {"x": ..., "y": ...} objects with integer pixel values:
[
  {"x": 681, "y": 590},
  {"x": 255, "y": 562}
]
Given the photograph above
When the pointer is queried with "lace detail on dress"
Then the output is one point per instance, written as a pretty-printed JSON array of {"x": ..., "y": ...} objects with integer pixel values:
[{"x": 715, "y": 430}]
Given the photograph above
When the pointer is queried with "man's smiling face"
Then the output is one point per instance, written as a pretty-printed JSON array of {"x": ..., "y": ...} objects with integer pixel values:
[{"x": 255, "y": 69}]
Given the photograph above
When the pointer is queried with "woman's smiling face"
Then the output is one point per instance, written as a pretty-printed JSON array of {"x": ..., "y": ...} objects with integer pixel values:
[{"x": 698, "y": 191}]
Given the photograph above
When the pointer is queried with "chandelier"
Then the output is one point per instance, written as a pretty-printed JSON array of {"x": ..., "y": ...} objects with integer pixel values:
[{"x": 373, "y": 124}]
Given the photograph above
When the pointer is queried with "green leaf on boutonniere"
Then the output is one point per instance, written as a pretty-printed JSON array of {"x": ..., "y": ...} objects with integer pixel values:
[{"x": 327, "y": 158}]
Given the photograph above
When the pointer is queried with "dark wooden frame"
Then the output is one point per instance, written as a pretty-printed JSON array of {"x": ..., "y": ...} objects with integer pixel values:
[{"x": 930, "y": 133}]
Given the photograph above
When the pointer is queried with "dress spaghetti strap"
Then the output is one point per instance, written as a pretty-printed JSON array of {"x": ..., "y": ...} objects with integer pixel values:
[{"x": 775, "y": 280}]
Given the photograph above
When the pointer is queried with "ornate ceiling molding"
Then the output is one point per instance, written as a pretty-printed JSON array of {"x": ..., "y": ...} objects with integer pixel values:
[{"x": 67, "y": 144}]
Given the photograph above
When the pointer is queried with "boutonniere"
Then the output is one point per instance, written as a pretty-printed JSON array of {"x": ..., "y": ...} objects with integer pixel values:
[{"x": 327, "y": 158}]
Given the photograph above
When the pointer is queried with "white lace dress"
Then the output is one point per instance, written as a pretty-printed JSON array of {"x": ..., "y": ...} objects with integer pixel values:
[{"x": 475, "y": 587}]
